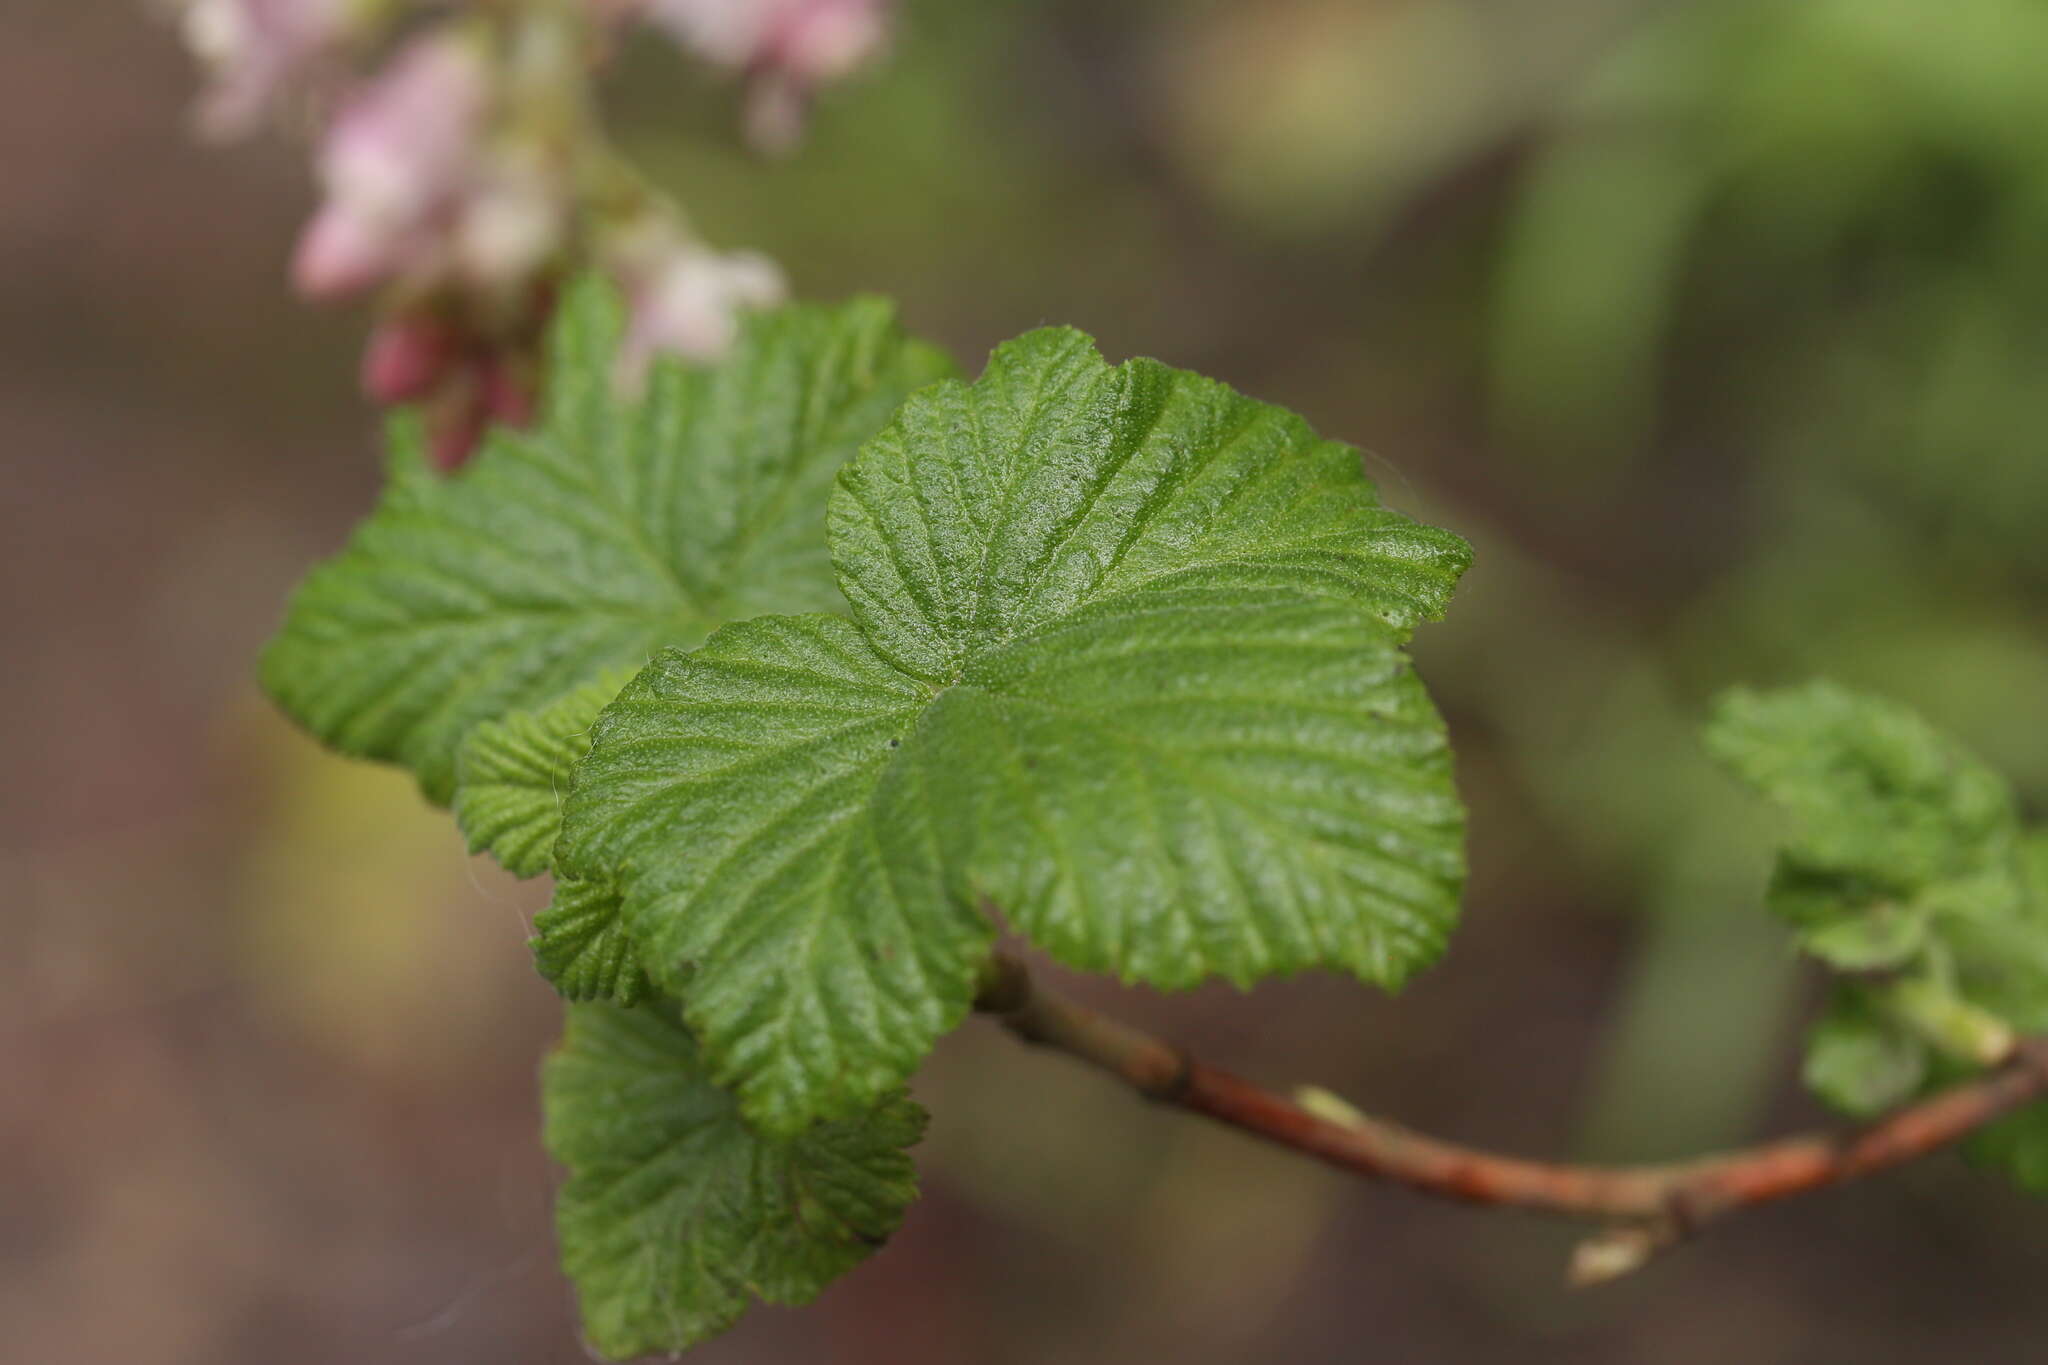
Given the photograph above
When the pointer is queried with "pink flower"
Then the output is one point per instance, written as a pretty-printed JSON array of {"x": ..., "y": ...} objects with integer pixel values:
[
  {"x": 727, "y": 32},
  {"x": 687, "y": 303},
  {"x": 394, "y": 164},
  {"x": 814, "y": 41},
  {"x": 255, "y": 49},
  {"x": 788, "y": 48}
]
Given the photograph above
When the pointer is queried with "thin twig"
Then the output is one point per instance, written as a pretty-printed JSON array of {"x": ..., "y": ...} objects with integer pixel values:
[{"x": 1645, "y": 1208}]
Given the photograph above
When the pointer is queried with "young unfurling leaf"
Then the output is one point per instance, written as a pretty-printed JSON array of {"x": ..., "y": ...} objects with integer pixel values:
[{"x": 1904, "y": 857}]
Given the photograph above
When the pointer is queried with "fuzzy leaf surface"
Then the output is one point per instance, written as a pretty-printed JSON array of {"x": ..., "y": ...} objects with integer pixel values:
[
  {"x": 608, "y": 530},
  {"x": 1126, "y": 660},
  {"x": 580, "y": 944},
  {"x": 780, "y": 878},
  {"x": 676, "y": 1214},
  {"x": 510, "y": 778},
  {"x": 511, "y": 774}
]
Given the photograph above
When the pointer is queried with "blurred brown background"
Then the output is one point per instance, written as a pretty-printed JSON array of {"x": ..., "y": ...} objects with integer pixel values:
[{"x": 1718, "y": 326}]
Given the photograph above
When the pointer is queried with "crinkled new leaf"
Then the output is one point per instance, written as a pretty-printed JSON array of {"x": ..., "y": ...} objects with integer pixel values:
[{"x": 1904, "y": 857}]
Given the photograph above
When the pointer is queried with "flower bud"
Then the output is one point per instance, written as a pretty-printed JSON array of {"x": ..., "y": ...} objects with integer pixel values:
[
  {"x": 507, "y": 391},
  {"x": 455, "y": 432},
  {"x": 407, "y": 358},
  {"x": 814, "y": 41}
]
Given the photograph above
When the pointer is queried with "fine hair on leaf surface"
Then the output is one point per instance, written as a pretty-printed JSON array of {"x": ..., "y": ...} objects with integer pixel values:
[{"x": 1125, "y": 658}]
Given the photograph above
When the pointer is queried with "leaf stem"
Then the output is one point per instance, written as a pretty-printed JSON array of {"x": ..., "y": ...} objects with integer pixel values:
[{"x": 1645, "y": 1208}]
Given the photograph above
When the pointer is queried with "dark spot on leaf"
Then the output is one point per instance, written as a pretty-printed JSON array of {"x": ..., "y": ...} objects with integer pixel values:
[{"x": 895, "y": 743}]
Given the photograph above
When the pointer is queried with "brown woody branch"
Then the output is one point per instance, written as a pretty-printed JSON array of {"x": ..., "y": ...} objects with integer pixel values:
[{"x": 1644, "y": 1208}]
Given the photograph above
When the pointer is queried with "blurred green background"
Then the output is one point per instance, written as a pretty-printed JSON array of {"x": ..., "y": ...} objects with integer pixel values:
[{"x": 1719, "y": 326}]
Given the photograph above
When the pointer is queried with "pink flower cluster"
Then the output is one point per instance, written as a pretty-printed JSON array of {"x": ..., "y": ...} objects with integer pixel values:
[
  {"x": 457, "y": 177},
  {"x": 400, "y": 168}
]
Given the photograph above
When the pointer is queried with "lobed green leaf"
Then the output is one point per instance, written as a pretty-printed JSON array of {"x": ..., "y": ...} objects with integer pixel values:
[
  {"x": 1126, "y": 660},
  {"x": 782, "y": 877},
  {"x": 676, "y": 1213}
]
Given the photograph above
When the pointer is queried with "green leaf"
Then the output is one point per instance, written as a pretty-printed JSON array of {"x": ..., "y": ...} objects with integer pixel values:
[
  {"x": 511, "y": 774},
  {"x": 1888, "y": 816},
  {"x": 1186, "y": 783},
  {"x": 1999, "y": 951},
  {"x": 1861, "y": 1060},
  {"x": 1883, "y": 935},
  {"x": 676, "y": 1214},
  {"x": 1903, "y": 854},
  {"x": 510, "y": 778},
  {"x": 610, "y": 529},
  {"x": 1126, "y": 661},
  {"x": 1902, "y": 851},
  {"x": 780, "y": 879},
  {"x": 2005, "y": 972},
  {"x": 987, "y": 512},
  {"x": 581, "y": 946}
]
